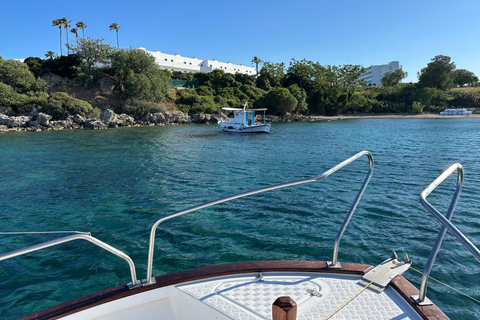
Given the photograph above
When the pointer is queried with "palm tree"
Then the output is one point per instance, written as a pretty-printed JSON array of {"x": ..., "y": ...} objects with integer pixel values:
[
  {"x": 50, "y": 55},
  {"x": 81, "y": 25},
  {"x": 66, "y": 25},
  {"x": 59, "y": 23},
  {"x": 256, "y": 60},
  {"x": 114, "y": 26},
  {"x": 75, "y": 32}
]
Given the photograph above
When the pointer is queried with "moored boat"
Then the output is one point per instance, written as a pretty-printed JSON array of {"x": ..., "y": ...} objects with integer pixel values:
[
  {"x": 266, "y": 289},
  {"x": 244, "y": 121}
]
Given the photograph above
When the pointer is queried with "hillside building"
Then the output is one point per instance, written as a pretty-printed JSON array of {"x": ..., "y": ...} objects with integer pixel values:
[
  {"x": 183, "y": 64},
  {"x": 374, "y": 74}
]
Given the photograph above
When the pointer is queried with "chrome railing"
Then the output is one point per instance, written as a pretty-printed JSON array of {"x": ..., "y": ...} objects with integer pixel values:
[
  {"x": 82, "y": 236},
  {"x": 334, "y": 262},
  {"x": 446, "y": 224}
]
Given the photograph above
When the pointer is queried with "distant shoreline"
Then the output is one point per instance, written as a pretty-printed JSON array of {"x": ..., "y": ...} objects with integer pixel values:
[{"x": 392, "y": 116}]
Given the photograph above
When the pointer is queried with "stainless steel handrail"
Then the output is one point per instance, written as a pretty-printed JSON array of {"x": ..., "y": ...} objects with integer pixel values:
[
  {"x": 446, "y": 224},
  {"x": 149, "y": 279},
  {"x": 87, "y": 237}
]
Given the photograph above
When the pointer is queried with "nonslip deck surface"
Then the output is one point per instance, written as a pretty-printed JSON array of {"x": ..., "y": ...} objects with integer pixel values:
[{"x": 244, "y": 297}]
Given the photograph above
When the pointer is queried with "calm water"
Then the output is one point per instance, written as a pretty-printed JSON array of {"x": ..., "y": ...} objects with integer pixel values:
[{"x": 117, "y": 183}]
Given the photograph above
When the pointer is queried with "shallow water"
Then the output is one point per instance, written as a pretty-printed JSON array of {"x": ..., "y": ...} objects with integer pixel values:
[{"x": 117, "y": 183}]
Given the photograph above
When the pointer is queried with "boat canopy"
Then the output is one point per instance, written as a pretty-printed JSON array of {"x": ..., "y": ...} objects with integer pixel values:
[{"x": 248, "y": 110}]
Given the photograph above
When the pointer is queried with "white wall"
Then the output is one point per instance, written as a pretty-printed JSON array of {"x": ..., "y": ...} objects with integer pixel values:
[
  {"x": 183, "y": 64},
  {"x": 374, "y": 74}
]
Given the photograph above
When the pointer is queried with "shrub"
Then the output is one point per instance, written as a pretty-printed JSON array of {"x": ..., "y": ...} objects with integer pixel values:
[
  {"x": 417, "y": 107},
  {"x": 9, "y": 97},
  {"x": 64, "y": 66},
  {"x": 60, "y": 105},
  {"x": 206, "y": 104},
  {"x": 36, "y": 66},
  {"x": 139, "y": 109},
  {"x": 17, "y": 76}
]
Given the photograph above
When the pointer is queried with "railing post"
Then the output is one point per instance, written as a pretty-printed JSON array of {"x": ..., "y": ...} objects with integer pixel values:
[
  {"x": 334, "y": 263},
  {"x": 421, "y": 299}
]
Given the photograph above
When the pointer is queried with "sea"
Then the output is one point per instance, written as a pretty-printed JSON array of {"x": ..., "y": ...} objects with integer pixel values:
[{"x": 117, "y": 183}]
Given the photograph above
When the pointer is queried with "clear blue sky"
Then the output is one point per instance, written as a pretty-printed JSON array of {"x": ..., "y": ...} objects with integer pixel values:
[{"x": 331, "y": 32}]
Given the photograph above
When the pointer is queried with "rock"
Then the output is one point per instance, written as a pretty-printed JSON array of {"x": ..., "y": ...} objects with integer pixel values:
[
  {"x": 79, "y": 120},
  {"x": 18, "y": 122},
  {"x": 108, "y": 116},
  {"x": 107, "y": 86},
  {"x": 3, "y": 128},
  {"x": 34, "y": 112},
  {"x": 93, "y": 124},
  {"x": 112, "y": 120},
  {"x": 43, "y": 119},
  {"x": 124, "y": 120},
  {"x": 55, "y": 80},
  {"x": 3, "y": 119},
  {"x": 156, "y": 118}
]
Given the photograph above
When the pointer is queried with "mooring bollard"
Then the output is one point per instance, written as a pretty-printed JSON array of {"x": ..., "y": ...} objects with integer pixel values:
[{"x": 284, "y": 308}]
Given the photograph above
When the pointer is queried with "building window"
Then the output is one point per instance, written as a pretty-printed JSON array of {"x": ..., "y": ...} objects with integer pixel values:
[
  {"x": 166, "y": 59},
  {"x": 201, "y": 65},
  {"x": 190, "y": 63},
  {"x": 171, "y": 60},
  {"x": 184, "y": 62}
]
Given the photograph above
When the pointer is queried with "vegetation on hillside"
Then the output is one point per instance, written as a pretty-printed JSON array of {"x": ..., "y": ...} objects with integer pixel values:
[{"x": 304, "y": 87}]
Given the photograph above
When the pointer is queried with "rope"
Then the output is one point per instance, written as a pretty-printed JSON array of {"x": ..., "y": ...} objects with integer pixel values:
[
  {"x": 43, "y": 232},
  {"x": 279, "y": 130},
  {"x": 446, "y": 285},
  {"x": 356, "y": 294}
]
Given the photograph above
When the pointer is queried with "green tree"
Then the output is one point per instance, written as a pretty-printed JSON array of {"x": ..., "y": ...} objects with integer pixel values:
[
  {"x": 137, "y": 75},
  {"x": 464, "y": 78},
  {"x": 36, "y": 65},
  {"x": 50, "y": 55},
  {"x": 271, "y": 75},
  {"x": 279, "y": 101},
  {"x": 17, "y": 75},
  {"x": 301, "y": 97},
  {"x": 438, "y": 74},
  {"x": 390, "y": 79},
  {"x": 81, "y": 25},
  {"x": 59, "y": 23},
  {"x": 302, "y": 73},
  {"x": 114, "y": 26},
  {"x": 256, "y": 60},
  {"x": 94, "y": 54}
]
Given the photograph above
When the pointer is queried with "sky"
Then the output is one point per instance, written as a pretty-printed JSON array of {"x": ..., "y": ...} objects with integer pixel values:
[{"x": 333, "y": 32}]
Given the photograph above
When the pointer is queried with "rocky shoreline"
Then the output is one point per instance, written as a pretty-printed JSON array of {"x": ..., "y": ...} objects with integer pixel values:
[{"x": 38, "y": 121}]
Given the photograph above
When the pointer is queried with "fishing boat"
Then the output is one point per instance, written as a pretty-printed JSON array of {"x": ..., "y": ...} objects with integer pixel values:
[
  {"x": 275, "y": 290},
  {"x": 244, "y": 121}
]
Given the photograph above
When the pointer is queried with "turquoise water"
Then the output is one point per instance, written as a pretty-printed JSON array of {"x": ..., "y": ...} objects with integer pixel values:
[{"x": 117, "y": 183}]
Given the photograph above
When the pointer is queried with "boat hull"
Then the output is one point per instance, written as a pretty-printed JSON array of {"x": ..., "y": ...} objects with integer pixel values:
[
  {"x": 122, "y": 303},
  {"x": 261, "y": 128}
]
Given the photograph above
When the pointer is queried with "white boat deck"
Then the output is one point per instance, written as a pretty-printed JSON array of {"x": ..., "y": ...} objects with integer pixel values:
[{"x": 244, "y": 297}]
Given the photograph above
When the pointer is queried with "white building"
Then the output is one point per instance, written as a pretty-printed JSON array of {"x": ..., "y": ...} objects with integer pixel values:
[
  {"x": 183, "y": 64},
  {"x": 374, "y": 74}
]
